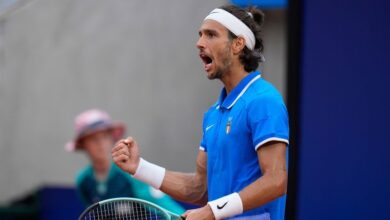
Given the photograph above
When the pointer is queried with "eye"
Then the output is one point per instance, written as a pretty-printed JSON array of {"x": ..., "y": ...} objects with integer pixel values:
[{"x": 210, "y": 35}]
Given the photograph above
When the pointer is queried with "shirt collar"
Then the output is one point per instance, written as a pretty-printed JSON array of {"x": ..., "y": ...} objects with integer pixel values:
[{"x": 229, "y": 100}]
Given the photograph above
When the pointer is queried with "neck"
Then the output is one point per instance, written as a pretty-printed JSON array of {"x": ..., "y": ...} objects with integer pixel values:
[
  {"x": 233, "y": 76},
  {"x": 101, "y": 168}
]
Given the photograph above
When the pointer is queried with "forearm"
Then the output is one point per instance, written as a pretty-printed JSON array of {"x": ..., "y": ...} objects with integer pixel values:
[
  {"x": 265, "y": 189},
  {"x": 186, "y": 187}
]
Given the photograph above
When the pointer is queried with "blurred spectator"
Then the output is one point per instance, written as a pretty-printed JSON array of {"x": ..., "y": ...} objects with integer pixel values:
[{"x": 95, "y": 135}]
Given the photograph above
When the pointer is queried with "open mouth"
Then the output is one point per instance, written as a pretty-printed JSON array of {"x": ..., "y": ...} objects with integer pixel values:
[{"x": 206, "y": 60}]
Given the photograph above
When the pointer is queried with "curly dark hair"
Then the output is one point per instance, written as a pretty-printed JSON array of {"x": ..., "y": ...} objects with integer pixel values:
[{"x": 253, "y": 18}]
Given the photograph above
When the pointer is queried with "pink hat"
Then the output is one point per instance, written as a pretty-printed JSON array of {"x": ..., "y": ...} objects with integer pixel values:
[{"x": 92, "y": 121}]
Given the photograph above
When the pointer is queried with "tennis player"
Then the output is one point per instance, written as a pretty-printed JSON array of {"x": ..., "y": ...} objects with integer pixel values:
[{"x": 241, "y": 165}]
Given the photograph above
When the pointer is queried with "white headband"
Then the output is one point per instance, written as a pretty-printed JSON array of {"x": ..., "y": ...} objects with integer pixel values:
[{"x": 233, "y": 24}]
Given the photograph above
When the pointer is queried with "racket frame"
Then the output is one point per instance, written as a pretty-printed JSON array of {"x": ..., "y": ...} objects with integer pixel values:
[{"x": 168, "y": 214}]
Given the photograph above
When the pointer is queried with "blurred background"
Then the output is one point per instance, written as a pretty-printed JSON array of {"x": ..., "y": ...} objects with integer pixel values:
[{"x": 138, "y": 61}]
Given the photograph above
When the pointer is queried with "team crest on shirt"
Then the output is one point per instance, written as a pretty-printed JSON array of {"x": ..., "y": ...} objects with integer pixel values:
[{"x": 229, "y": 125}]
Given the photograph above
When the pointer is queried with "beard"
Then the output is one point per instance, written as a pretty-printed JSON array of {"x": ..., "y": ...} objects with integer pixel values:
[{"x": 226, "y": 62}]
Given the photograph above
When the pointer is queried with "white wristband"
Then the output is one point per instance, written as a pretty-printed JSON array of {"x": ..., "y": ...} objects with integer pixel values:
[
  {"x": 227, "y": 206},
  {"x": 150, "y": 173}
]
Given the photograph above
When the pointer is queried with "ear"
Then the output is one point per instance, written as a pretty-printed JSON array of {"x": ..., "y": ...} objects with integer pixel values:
[{"x": 238, "y": 45}]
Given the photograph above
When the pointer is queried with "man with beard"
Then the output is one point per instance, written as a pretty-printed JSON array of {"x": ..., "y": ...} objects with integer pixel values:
[{"x": 241, "y": 165}]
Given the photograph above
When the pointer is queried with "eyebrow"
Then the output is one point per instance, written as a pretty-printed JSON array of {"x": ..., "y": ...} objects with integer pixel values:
[{"x": 211, "y": 31}]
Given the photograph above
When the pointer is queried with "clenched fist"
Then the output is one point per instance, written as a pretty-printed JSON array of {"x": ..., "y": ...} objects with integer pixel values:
[{"x": 126, "y": 155}]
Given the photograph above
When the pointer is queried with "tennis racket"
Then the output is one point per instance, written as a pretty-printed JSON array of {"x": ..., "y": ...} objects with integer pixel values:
[{"x": 127, "y": 209}]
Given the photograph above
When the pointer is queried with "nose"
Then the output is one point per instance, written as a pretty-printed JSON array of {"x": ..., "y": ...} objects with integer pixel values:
[{"x": 200, "y": 43}]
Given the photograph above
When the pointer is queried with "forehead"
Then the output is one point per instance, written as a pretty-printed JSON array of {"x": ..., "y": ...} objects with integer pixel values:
[
  {"x": 212, "y": 25},
  {"x": 97, "y": 134}
]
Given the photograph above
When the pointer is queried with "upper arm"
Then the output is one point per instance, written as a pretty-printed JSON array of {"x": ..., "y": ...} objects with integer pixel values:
[
  {"x": 272, "y": 156},
  {"x": 273, "y": 182},
  {"x": 201, "y": 177},
  {"x": 201, "y": 167},
  {"x": 82, "y": 194},
  {"x": 81, "y": 188}
]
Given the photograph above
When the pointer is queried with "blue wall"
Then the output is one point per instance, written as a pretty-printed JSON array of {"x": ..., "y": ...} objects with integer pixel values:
[
  {"x": 344, "y": 149},
  {"x": 261, "y": 3},
  {"x": 60, "y": 203}
]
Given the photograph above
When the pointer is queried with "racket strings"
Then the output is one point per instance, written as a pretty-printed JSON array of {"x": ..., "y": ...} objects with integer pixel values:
[{"x": 126, "y": 210}]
